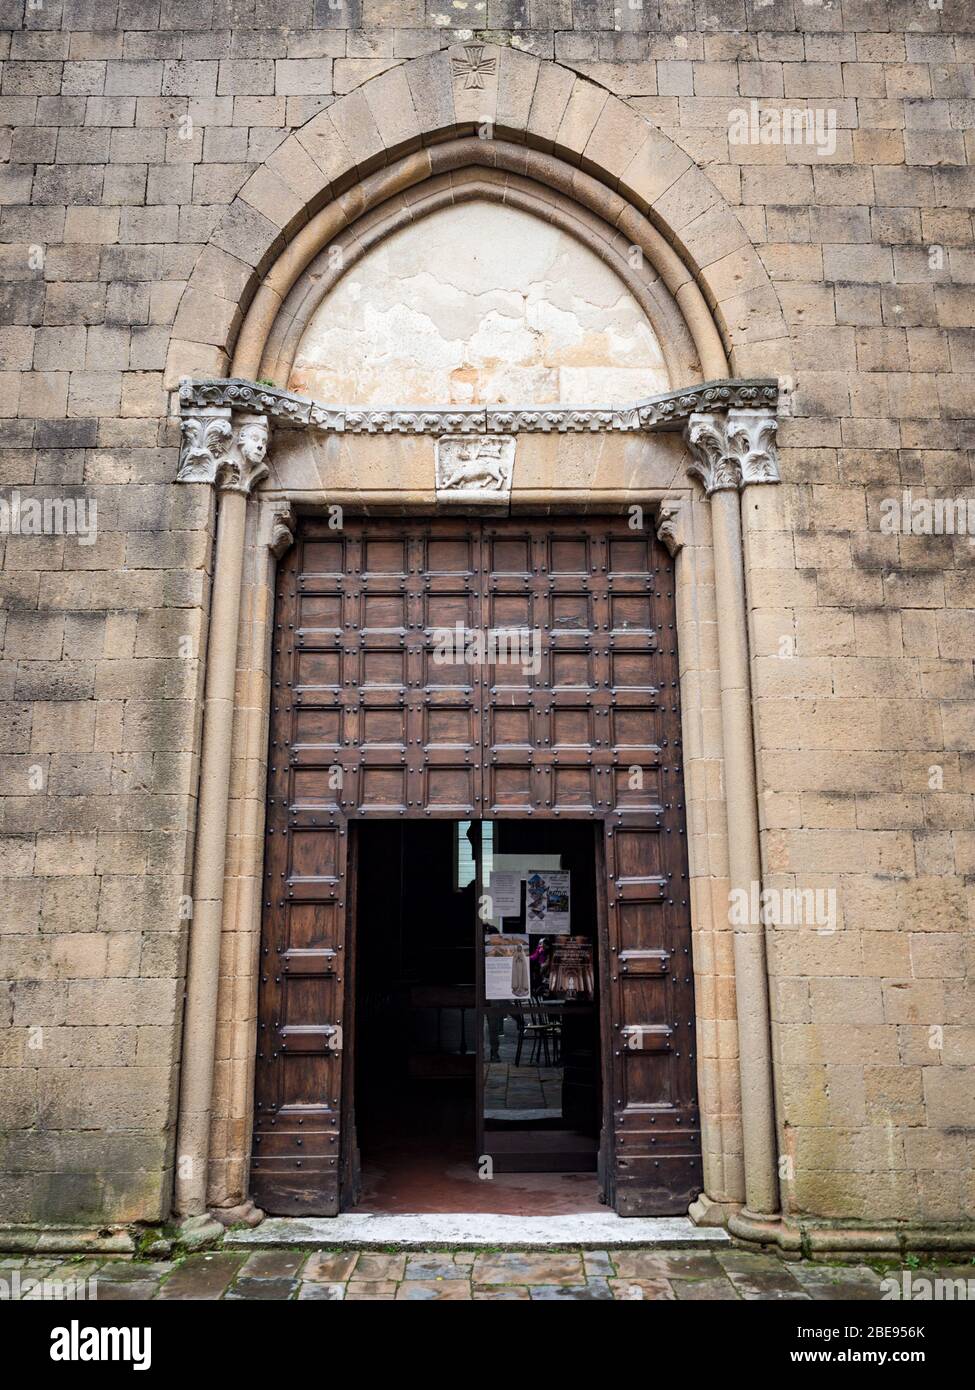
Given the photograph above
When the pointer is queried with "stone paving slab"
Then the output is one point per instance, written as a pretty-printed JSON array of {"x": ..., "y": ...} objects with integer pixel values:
[
  {"x": 330, "y": 1268},
  {"x": 116, "y": 1291},
  {"x": 591, "y": 1290},
  {"x": 262, "y": 1290},
  {"x": 336, "y": 1276},
  {"x": 666, "y": 1264},
  {"x": 273, "y": 1264},
  {"x": 201, "y": 1277},
  {"x": 323, "y": 1293},
  {"x": 429, "y": 1290},
  {"x": 391, "y": 1267},
  {"x": 432, "y": 1266},
  {"x": 700, "y": 1290},
  {"x": 528, "y": 1269},
  {"x": 628, "y": 1289}
]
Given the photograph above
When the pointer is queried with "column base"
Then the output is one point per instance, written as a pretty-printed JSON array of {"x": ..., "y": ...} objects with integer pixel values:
[
  {"x": 709, "y": 1211},
  {"x": 244, "y": 1214}
]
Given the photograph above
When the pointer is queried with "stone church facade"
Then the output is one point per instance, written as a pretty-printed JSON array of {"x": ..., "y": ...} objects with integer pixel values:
[{"x": 708, "y": 266}]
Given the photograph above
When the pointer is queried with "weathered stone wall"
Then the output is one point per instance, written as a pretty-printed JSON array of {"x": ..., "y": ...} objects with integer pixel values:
[{"x": 127, "y": 130}]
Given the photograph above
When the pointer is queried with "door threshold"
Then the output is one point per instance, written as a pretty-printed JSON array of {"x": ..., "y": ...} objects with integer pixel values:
[{"x": 477, "y": 1230}]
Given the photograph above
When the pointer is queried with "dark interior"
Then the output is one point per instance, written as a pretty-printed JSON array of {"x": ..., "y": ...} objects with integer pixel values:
[{"x": 452, "y": 1089}]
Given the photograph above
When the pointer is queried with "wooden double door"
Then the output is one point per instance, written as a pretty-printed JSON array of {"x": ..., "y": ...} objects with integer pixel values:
[{"x": 469, "y": 670}]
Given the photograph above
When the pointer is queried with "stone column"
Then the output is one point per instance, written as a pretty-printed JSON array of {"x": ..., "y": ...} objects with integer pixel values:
[
  {"x": 730, "y": 451},
  {"x": 226, "y": 450}
]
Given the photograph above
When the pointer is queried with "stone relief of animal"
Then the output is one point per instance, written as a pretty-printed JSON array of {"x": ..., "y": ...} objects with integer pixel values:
[{"x": 477, "y": 464}]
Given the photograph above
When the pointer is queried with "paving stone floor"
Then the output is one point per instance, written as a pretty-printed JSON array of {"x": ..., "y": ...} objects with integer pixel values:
[{"x": 357, "y": 1275}]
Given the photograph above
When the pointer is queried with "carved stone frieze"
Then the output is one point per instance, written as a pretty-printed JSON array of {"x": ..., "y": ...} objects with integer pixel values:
[
  {"x": 458, "y": 420},
  {"x": 667, "y": 411},
  {"x": 251, "y": 396},
  {"x": 561, "y": 420}
]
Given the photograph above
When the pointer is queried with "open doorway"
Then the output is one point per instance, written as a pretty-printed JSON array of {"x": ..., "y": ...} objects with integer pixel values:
[{"x": 476, "y": 1060}]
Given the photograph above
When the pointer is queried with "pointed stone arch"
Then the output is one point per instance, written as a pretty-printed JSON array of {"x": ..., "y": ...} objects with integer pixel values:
[
  {"x": 523, "y": 115},
  {"x": 415, "y": 132}
]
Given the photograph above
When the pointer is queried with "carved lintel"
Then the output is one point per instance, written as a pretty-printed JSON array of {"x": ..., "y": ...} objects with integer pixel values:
[
  {"x": 224, "y": 449},
  {"x": 278, "y": 522},
  {"x": 730, "y": 451},
  {"x": 672, "y": 516},
  {"x": 475, "y": 470}
]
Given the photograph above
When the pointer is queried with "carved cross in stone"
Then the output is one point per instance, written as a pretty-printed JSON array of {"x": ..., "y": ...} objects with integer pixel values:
[{"x": 474, "y": 67}]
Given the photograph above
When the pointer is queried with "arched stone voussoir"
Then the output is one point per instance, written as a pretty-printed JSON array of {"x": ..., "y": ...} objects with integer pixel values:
[
  {"x": 653, "y": 166},
  {"x": 487, "y": 92},
  {"x": 619, "y": 130}
]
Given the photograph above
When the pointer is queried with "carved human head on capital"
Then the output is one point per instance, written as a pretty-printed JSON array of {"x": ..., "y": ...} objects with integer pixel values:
[{"x": 252, "y": 441}]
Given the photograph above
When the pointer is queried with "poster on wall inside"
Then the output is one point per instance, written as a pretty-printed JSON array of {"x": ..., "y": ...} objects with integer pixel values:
[
  {"x": 547, "y": 902},
  {"x": 505, "y": 892},
  {"x": 571, "y": 972},
  {"x": 506, "y": 970}
]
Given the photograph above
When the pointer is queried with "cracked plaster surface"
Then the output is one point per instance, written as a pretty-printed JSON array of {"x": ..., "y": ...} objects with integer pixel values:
[{"x": 479, "y": 304}]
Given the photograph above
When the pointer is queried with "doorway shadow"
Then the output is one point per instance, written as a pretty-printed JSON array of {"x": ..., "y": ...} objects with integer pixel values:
[{"x": 416, "y": 1041}]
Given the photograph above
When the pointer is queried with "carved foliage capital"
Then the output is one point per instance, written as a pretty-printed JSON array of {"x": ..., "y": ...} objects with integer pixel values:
[
  {"x": 226, "y": 450},
  {"x": 733, "y": 450},
  {"x": 753, "y": 433}
]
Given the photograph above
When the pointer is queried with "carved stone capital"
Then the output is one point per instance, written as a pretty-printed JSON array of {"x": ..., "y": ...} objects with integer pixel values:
[
  {"x": 672, "y": 517},
  {"x": 278, "y": 522},
  {"x": 225, "y": 449},
  {"x": 733, "y": 450},
  {"x": 754, "y": 434}
]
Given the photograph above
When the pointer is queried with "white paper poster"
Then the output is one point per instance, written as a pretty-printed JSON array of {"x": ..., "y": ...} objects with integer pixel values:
[
  {"x": 507, "y": 974},
  {"x": 505, "y": 892},
  {"x": 547, "y": 902}
]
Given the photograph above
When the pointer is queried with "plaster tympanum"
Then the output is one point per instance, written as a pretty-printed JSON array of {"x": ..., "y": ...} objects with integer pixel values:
[{"x": 479, "y": 303}]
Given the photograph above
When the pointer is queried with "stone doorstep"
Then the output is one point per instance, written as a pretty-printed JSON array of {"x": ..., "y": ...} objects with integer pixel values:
[{"x": 459, "y": 1231}]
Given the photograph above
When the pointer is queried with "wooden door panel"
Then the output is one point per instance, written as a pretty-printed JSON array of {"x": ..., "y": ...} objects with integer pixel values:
[
  {"x": 574, "y": 713},
  {"x": 449, "y": 726},
  {"x": 657, "y": 1165},
  {"x": 298, "y": 1077},
  {"x": 569, "y": 554},
  {"x": 568, "y": 612}
]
